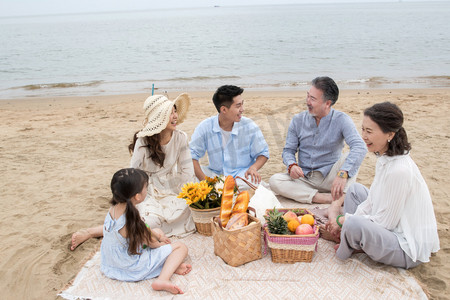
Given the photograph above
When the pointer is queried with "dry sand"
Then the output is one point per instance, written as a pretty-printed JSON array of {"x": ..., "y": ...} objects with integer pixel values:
[{"x": 58, "y": 156}]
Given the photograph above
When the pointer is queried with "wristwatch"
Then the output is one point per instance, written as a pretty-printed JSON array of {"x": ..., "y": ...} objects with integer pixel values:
[{"x": 343, "y": 174}]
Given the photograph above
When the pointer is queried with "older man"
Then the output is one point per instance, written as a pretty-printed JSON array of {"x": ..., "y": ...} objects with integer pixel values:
[{"x": 322, "y": 172}]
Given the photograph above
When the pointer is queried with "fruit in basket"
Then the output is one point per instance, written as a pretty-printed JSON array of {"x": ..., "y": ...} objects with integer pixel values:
[
  {"x": 237, "y": 220},
  {"x": 307, "y": 219},
  {"x": 304, "y": 229},
  {"x": 275, "y": 222},
  {"x": 289, "y": 215},
  {"x": 293, "y": 224}
]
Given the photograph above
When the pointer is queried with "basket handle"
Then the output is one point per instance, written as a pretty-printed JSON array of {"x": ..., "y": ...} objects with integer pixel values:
[{"x": 251, "y": 185}]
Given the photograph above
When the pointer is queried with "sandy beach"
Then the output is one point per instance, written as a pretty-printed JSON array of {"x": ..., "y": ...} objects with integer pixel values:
[{"x": 58, "y": 156}]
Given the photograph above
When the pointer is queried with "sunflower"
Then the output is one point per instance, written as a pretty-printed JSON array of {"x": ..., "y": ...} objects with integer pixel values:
[{"x": 188, "y": 190}]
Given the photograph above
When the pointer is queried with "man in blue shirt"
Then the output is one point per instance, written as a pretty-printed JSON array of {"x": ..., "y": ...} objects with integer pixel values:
[
  {"x": 235, "y": 144},
  {"x": 322, "y": 172}
]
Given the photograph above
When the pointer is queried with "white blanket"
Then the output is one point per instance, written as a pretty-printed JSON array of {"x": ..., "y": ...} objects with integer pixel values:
[{"x": 211, "y": 278}]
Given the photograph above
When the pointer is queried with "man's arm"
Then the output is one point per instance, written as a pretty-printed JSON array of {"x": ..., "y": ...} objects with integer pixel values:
[
  {"x": 198, "y": 170},
  {"x": 289, "y": 151},
  {"x": 354, "y": 159},
  {"x": 357, "y": 146}
]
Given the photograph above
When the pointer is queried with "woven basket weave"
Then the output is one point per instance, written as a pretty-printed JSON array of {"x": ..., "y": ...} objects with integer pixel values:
[
  {"x": 238, "y": 246},
  {"x": 202, "y": 219},
  {"x": 291, "y": 248}
]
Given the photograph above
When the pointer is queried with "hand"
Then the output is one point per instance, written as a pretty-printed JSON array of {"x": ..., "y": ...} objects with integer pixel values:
[
  {"x": 296, "y": 172},
  {"x": 333, "y": 228},
  {"x": 254, "y": 175},
  {"x": 164, "y": 239},
  {"x": 337, "y": 188}
]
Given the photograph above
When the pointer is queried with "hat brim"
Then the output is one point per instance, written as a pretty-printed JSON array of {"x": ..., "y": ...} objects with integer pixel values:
[
  {"x": 182, "y": 102},
  {"x": 159, "y": 115}
]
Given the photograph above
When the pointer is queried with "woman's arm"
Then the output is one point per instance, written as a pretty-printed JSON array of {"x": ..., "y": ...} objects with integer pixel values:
[
  {"x": 389, "y": 198},
  {"x": 185, "y": 164},
  {"x": 138, "y": 156}
]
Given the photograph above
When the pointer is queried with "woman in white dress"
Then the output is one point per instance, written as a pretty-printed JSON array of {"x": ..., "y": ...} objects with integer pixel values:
[
  {"x": 163, "y": 153},
  {"x": 393, "y": 222}
]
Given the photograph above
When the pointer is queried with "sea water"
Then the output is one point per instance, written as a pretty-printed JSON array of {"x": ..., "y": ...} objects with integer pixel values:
[{"x": 360, "y": 45}]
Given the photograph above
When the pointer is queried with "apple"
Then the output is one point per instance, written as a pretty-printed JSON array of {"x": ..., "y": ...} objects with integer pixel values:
[
  {"x": 304, "y": 229},
  {"x": 290, "y": 215}
]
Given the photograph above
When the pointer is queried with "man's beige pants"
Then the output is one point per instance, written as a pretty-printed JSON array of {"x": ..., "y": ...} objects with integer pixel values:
[{"x": 303, "y": 189}]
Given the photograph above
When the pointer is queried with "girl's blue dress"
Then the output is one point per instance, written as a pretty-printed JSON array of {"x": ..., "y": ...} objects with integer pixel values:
[{"x": 116, "y": 263}]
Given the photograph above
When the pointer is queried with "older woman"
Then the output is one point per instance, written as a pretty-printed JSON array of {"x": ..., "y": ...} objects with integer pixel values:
[
  {"x": 162, "y": 151},
  {"x": 394, "y": 221}
]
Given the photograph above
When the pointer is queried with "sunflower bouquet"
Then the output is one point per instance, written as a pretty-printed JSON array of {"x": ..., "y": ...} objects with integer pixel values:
[{"x": 204, "y": 194}]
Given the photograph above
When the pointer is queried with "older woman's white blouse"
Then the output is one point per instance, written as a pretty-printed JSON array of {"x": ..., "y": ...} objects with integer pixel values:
[{"x": 399, "y": 200}]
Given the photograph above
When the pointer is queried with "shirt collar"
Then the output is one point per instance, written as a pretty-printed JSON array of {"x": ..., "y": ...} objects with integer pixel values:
[
  {"x": 216, "y": 126},
  {"x": 384, "y": 159},
  {"x": 327, "y": 118}
]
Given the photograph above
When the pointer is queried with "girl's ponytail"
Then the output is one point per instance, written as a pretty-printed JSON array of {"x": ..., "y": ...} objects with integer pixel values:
[
  {"x": 125, "y": 184},
  {"x": 137, "y": 232}
]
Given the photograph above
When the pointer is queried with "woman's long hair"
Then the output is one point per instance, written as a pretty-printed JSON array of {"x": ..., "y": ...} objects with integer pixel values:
[
  {"x": 125, "y": 184},
  {"x": 153, "y": 144},
  {"x": 389, "y": 118}
]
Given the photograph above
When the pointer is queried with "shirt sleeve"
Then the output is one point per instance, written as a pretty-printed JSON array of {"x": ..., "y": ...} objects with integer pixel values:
[
  {"x": 185, "y": 166},
  {"x": 357, "y": 146},
  {"x": 197, "y": 144},
  {"x": 390, "y": 200},
  {"x": 259, "y": 146},
  {"x": 292, "y": 144},
  {"x": 138, "y": 156}
]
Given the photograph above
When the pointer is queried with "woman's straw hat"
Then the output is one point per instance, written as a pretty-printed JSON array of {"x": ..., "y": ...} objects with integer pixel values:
[{"x": 158, "y": 110}]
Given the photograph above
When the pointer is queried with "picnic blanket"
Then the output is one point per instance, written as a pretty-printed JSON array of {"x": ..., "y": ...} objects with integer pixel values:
[{"x": 325, "y": 277}]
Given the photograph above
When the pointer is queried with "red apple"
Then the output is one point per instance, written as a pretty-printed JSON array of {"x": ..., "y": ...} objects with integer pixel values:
[
  {"x": 289, "y": 215},
  {"x": 304, "y": 229}
]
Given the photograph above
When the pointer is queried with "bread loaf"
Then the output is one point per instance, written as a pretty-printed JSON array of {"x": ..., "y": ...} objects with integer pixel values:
[
  {"x": 241, "y": 204},
  {"x": 227, "y": 200},
  {"x": 237, "y": 220}
]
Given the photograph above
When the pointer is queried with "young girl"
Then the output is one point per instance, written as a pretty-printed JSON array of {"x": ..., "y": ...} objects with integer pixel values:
[
  {"x": 162, "y": 151},
  {"x": 130, "y": 251}
]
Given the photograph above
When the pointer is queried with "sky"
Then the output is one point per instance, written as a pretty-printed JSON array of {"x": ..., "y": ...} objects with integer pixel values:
[{"x": 43, "y": 7}]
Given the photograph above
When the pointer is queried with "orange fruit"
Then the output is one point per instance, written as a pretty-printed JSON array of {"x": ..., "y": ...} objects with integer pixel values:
[
  {"x": 293, "y": 224},
  {"x": 307, "y": 219}
]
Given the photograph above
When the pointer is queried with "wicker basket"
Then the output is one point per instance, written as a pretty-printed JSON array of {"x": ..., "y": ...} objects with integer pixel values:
[
  {"x": 202, "y": 219},
  {"x": 291, "y": 248},
  {"x": 238, "y": 246}
]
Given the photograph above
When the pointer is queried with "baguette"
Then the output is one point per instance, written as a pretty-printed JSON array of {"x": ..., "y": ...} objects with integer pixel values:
[
  {"x": 227, "y": 200},
  {"x": 241, "y": 204}
]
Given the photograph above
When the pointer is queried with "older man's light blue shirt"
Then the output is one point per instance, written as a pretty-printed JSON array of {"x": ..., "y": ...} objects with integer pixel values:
[
  {"x": 320, "y": 147},
  {"x": 246, "y": 143}
]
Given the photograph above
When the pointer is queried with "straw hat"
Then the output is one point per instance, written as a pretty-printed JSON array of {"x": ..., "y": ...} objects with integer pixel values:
[{"x": 158, "y": 110}]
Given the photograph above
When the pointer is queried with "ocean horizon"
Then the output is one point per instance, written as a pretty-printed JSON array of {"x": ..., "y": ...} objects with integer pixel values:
[{"x": 360, "y": 45}]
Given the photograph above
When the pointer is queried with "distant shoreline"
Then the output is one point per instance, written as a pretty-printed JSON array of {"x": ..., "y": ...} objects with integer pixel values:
[{"x": 99, "y": 88}]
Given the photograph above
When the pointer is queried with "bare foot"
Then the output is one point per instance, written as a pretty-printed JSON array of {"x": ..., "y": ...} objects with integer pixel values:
[
  {"x": 163, "y": 285},
  {"x": 183, "y": 269},
  {"x": 336, "y": 247},
  {"x": 78, "y": 238},
  {"x": 326, "y": 235},
  {"x": 323, "y": 198}
]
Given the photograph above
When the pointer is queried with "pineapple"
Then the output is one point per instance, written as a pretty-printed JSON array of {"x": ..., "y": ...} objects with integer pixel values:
[{"x": 276, "y": 223}]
